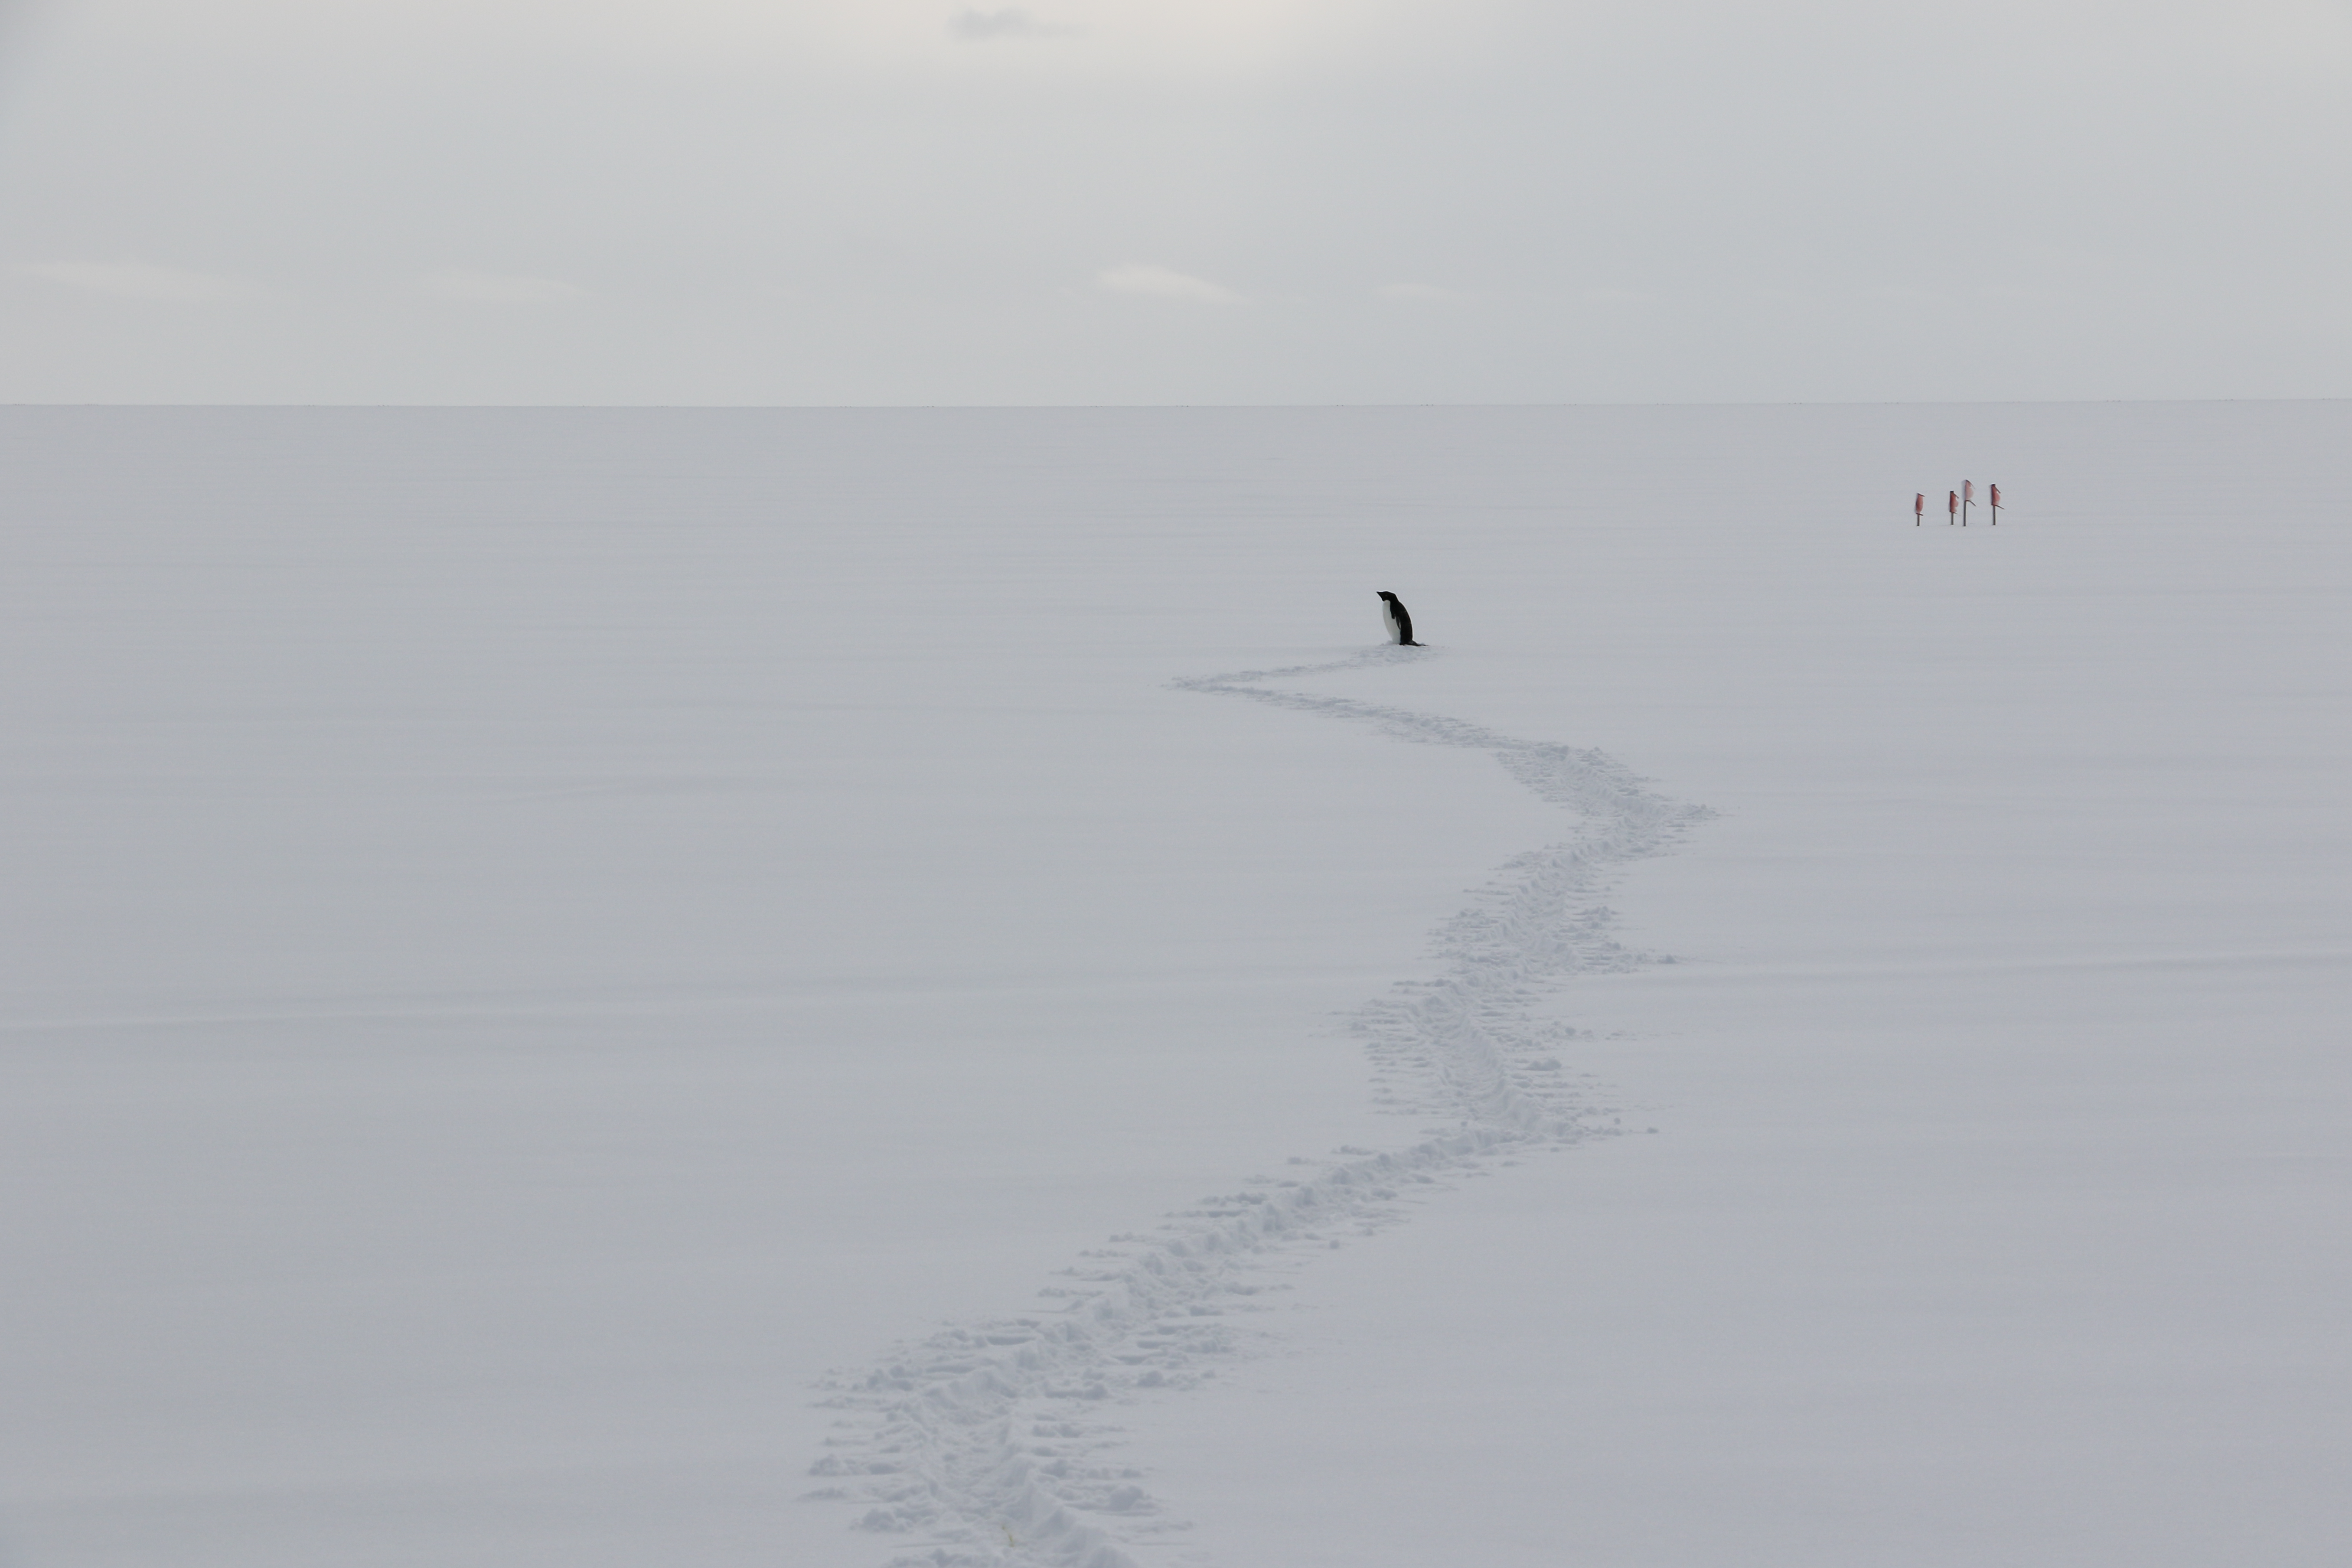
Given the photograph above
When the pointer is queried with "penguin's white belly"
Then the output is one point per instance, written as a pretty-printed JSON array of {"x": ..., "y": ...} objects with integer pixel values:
[{"x": 1388, "y": 619}]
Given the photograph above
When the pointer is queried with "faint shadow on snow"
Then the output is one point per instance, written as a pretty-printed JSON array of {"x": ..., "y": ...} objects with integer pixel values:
[{"x": 989, "y": 1440}]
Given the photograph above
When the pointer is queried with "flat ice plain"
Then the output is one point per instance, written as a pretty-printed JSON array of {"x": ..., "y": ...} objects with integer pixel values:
[{"x": 543, "y": 946}]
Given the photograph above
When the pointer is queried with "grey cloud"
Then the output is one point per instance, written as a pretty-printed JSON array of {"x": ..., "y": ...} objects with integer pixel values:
[
  {"x": 986, "y": 26},
  {"x": 1162, "y": 283},
  {"x": 497, "y": 288},
  {"x": 137, "y": 280}
]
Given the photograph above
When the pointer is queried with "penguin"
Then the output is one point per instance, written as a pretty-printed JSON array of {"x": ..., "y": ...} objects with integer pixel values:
[{"x": 1398, "y": 619}]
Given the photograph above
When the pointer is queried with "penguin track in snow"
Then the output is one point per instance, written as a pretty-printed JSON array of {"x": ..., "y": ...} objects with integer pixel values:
[{"x": 991, "y": 1441}]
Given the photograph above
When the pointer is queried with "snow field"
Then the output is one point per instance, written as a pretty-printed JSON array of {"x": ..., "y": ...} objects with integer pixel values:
[{"x": 538, "y": 938}]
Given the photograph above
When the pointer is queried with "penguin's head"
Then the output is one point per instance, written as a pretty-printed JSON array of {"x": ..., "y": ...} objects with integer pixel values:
[{"x": 1388, "y": 596}]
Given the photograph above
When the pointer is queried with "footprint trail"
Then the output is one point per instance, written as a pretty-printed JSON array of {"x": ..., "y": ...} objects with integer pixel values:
[{"x": 989, "y": 1441}]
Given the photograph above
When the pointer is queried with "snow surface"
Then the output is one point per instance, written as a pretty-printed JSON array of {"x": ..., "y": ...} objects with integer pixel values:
[{"x": 566, "y": 969}]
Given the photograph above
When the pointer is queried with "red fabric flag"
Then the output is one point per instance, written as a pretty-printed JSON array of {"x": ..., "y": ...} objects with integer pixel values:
[
  {"x": 1996, "y": 494},
  {"x": 1952, "y": 502},
  {"x": 1968, "y": 490}
]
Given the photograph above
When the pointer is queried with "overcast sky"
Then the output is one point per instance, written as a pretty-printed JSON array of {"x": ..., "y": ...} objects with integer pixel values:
[{"x": 1149, "y": 201}]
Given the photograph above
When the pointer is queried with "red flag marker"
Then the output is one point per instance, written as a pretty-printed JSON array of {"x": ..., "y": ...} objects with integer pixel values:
[
  {"x": 1968, "y": 499},
  {"x": 1918, "y": 508},
  {"x": 1995, "y": 498},
  {"x": 1952, "y": 509}
]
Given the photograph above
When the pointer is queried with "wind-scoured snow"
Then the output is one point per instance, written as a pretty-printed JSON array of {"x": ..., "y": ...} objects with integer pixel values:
[{"x": 988, "y": 1440}]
